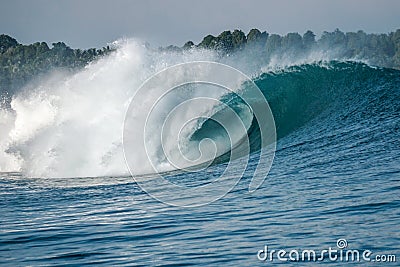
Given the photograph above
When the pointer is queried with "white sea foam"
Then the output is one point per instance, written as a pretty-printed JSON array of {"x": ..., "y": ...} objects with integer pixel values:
[{"x": 71, "y": 124}]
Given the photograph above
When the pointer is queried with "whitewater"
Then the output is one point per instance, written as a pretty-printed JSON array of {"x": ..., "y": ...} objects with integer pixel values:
[{"x": 71, "y": 124}]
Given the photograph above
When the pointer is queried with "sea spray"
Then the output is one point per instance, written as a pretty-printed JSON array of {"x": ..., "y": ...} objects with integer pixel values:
[{"x": 71, "y": 125}]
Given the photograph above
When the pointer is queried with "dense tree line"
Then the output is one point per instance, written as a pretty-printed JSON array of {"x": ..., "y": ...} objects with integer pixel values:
[
  {"x": 19, "y": 63},
  {"x": 379, "y": 49}
]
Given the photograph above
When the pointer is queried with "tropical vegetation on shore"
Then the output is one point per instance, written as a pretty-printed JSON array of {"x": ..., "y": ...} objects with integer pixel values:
[{"x": 20, "y": 63}]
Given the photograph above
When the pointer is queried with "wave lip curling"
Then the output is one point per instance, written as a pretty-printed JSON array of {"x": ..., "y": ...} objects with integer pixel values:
[{"x": 186, "y": 125}]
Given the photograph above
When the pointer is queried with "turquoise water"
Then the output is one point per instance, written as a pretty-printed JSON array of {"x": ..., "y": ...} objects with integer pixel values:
[{"x": 336, "y": 175}]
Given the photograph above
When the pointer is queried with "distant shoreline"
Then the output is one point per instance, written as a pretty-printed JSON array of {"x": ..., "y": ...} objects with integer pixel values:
[{"x": 20, "y": 63}]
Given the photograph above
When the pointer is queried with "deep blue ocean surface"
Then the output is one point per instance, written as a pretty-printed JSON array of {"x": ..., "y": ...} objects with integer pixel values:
[{"x": 336, "y": 175}]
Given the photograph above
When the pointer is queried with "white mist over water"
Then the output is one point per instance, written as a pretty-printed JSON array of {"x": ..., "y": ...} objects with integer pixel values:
[{"x": 70, "y": 125}]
